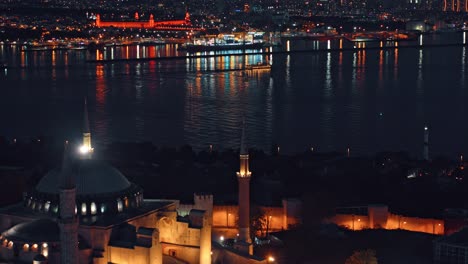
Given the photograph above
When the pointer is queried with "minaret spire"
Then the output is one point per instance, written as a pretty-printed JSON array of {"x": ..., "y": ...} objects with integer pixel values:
[
  {"x": 68, "y": 221},
  {"x": 243, "y": 148},
  {"x": 244, "y": 242},
  {"x": 426, "y": 144},
  {"x": 85, "y": 117},
  {"x": 86, "y": 149}
]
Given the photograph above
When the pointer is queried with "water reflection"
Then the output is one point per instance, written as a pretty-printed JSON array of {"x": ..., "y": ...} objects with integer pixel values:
[
  {"x": 101, "y": 124},
  {"x": 332, "y": 99},
  {"x": 395, "y": 64}
]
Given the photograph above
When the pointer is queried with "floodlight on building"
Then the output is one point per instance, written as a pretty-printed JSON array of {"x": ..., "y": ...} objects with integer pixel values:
[{"x": 84, "y": 149}]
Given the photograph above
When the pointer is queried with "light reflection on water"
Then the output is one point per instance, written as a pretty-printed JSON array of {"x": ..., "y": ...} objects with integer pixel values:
[{"x": 367, "y": 100}]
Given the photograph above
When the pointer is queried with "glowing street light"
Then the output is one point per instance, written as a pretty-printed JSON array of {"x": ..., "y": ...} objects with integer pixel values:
[{"x": 271, "y": 259}]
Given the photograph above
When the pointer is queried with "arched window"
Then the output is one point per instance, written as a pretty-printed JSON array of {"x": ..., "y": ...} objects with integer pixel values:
[
  {"x": 119, "y": 205},
  {"x": 83, "y": 209},
  {"x": 103, "y": 208},
  {"x": 55, "y": 209},
  {"x": 93, "y": 208},
  {"x": 10, "y": 244},
  {"x": 47, "y": 206},
  {"x": 26, "y": 247},
  {"x": 126, "y": 202}
]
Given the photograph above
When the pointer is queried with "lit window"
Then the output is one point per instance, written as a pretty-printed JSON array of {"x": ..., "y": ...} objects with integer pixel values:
[
  {"x": 103, "y": 208},
  {"x": 47, "y": 206},
  {"x": 55, "y": 209},
  {"x": 126, "y": 202},
  {"x": 10, "y": 244},
  {"x": 93, "y": 208},
  {"x": 119, "y": 205},
  {"x": 83, "y": 208},
  {"x": 76, "y": 209},
  {"x": 34, "y": 247},
  {"x": 26, "y": 247}
]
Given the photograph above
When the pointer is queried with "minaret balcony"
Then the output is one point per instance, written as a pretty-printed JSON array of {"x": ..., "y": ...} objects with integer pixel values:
[{"x": 244, "y": 174}]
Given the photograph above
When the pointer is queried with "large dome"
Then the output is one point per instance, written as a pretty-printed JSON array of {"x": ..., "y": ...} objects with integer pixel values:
[{"x": 90, "y": 176}]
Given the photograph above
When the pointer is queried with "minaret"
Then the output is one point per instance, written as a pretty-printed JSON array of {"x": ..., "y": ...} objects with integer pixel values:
[
  {"x": 86, "y": 149},
  {"x": 426, "y": 144},
  {"x": 68, "y": 220},
  {"x": 244, "y": 242}
]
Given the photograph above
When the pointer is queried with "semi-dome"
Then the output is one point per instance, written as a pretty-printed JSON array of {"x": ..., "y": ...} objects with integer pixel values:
[
  {"x": 41, "y": 230},
  {"x": 90, "y": 176}
]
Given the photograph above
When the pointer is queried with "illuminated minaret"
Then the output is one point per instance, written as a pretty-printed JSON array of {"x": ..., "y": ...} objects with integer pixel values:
[
  {"x": 68, "y": 220},
  {"x": 86, "y": 149},
  {"x": 244, "y": 243},
  {"x": 426, "y": 143}
]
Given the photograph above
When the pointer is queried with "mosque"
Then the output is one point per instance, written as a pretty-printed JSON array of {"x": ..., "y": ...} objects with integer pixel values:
[{"x": 86, "y": 211}]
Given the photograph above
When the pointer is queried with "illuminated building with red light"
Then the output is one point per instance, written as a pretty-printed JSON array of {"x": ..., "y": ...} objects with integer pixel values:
[{"x": 176, "y": 25}]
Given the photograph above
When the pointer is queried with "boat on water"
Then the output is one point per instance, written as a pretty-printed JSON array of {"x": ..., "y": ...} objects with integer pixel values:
[
  {"x": 402, "y": 37},
  {"x": 190, "y": 47},
  {"x": 44, "y": 47},
  {"x": 321, "y": 34},
  {"x": 363, "y": 37},
  {"x": 251, "y": 40},
  {"x": 152, "y": 41},
  {"x": 259, "y": 66},
  {"x": 381, "y": 36}
]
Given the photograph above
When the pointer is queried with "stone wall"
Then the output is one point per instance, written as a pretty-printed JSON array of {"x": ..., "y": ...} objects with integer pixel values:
[{"x": 383, "y": 219}]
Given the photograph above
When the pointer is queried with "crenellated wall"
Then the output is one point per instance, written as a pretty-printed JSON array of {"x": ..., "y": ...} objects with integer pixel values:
[
  {"x": 225, "y": 217},
  {"x": 377, "y": 217}
]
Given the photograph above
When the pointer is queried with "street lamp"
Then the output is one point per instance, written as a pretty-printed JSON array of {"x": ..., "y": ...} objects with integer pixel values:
[{"x": 270, "y": 259}]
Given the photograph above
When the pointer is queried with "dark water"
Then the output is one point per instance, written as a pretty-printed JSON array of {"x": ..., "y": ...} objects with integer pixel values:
[{"x": 368, "y": 100}]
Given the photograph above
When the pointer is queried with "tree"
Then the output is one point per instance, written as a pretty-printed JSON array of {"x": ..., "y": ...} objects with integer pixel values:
[
  {"x": 362, "y": 257},
  {"x": 257, "y": 221}
]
